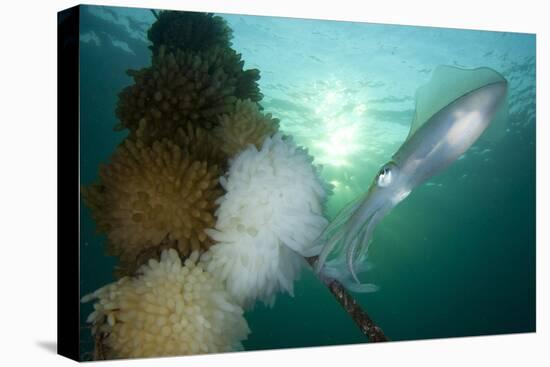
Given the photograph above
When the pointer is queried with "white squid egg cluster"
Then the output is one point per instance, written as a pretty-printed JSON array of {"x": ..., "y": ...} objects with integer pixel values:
[
  {"x": 267, "y": 220},
  {"x": 170, "y": 308}
]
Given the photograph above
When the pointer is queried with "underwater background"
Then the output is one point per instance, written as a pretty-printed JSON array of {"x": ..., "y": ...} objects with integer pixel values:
[{"x": 457, "y": 258}]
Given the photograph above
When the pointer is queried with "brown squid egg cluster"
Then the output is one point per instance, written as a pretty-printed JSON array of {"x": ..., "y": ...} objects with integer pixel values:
[
  {"x": 188, "y": 31},
  {"x": 153, "y": 195},
  {"x": 199, "y": 143},
  {"x": 243, "y": 126},
  {"x": 181, "y": 86}
]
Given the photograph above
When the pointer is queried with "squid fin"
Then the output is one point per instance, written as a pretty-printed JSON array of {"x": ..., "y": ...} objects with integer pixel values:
[{"x": 436, "y": 94}]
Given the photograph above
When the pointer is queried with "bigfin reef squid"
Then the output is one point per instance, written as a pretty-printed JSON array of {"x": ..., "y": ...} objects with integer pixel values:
[{"x": 452, "y": 111}]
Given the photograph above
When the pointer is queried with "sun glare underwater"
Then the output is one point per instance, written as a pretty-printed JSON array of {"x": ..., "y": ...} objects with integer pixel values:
[{"x": 226, "y": 166}]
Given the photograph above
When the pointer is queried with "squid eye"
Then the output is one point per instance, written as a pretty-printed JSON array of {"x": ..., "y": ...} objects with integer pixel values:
[{"x": 384, "y": 177}]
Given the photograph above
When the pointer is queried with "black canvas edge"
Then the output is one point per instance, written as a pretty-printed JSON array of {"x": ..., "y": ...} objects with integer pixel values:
[{"x": 68, "y": 183}]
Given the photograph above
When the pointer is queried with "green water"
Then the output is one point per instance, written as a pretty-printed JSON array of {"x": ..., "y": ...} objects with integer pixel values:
[{"x": 456, "y": 258}]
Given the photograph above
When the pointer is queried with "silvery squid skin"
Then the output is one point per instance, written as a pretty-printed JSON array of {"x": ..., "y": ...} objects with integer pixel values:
[{"x": 429, "y": 149}]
